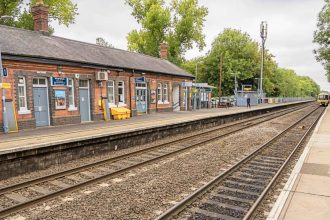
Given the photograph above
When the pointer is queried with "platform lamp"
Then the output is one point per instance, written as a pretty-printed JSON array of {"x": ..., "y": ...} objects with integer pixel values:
[
  {"x": 4, "y": 110},
  {"x": 263, "y": 35}
]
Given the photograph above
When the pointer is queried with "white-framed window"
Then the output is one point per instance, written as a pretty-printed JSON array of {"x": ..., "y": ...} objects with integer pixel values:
[
  {"x": 39, "y": 82},
  {"x": 121, "y": 92},
  {"x": 72, "y": 106},
  {"x": 159, "y": 93},
  {"x": 111, "y": 92},
  {"x": 165, "y": 93},
  {"x": 22, "y": 102}
]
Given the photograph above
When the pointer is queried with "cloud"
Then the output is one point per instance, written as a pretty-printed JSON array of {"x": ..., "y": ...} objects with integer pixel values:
[{"x": 291, "y": 27}]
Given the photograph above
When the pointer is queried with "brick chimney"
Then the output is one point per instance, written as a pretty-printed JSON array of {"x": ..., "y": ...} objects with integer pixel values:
[
  {"x": 163, "y": 50},
  {"x": 40, "y": 16}
]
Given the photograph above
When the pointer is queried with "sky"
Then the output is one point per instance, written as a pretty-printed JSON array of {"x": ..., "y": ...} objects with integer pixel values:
[{"x": 291, "y": 24}]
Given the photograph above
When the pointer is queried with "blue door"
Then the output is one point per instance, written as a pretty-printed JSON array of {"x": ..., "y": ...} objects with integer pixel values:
[
  {"x": 141, "y": 98},
  {"x": 84, "y": 100},
  {"x": 40, "y": 103}
]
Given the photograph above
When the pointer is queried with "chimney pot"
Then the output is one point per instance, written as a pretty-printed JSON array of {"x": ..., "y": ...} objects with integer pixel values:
[
  {"x": 40, "y": 17},
  {"x": 163, "y": 50}
]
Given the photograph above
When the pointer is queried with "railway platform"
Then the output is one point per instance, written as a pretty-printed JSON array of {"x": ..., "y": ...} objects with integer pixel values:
[
  {"x": 37, "y": 149},
  {"x": 306, "y": 194},
  {"x": 41, "y": 137}
]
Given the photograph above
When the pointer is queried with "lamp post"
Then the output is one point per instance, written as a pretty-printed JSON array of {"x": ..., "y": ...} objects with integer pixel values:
[
  {"x": 3, "y": 91},
  {"x": 263, "y": 35}
]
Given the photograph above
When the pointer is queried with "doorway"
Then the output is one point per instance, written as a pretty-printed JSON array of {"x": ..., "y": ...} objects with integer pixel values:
[
  {"x": 84, "y": 101},
  {"x": 176, "y": 98},
  {"x": 141, "y": 98},
  {"x": 41, "y": 102}
]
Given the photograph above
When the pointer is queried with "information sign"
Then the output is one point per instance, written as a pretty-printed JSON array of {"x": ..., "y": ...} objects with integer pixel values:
[
  {"x": 5, "y": 85},
  {"x": 57, "y": 81},
  {"x": 140, "y": 79}
]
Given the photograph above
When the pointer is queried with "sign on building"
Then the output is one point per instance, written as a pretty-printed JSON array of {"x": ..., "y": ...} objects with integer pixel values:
[
  {"x": 5, "y": 72},
  {"x": 57, "y": 81},
  {"x": 140, "y": 79},
  {"x": 186, "y": 84}
]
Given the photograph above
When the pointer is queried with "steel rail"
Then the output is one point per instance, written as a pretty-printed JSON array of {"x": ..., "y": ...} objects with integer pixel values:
[
  {"x": 179, "y": 207},
  {"x": 271, "y": 183},
  {"x": 7, "y": 211},
  {"x": 45, "y": 178}
]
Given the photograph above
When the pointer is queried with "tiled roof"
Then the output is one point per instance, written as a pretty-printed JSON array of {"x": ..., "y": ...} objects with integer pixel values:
[{"x": 22, "y": 42}]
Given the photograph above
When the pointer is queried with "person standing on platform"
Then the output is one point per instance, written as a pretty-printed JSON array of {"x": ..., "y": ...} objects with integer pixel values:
[{"x": 248, "y": 102}]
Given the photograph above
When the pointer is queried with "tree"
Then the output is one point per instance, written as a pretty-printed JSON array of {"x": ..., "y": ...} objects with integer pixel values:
[
  {"x": 322, "y": 36},
  {"x": 179, "y": 24},
  {"x": 102, "y": 42},
  {"x": 241, "y": 56},
  {"x": 62, "y": 11}
]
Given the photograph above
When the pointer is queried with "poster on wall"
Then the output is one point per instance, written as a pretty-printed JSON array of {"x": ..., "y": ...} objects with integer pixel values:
[
  {"x": 153, "y": 96},
  {"x": 60, "y": 100}
]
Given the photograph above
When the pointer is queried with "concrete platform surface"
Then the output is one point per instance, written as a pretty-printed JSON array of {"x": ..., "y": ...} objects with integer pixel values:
[
  {"x": 306, "y": 196},
  {"x": 41, "y": 137}
]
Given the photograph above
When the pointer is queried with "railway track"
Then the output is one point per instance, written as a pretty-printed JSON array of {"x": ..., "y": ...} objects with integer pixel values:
[
  {"x": 236, "y": 193},
  {"x": 22, "y": 195}
]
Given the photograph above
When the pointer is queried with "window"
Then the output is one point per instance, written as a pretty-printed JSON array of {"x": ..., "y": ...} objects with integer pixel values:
[
  {"x": 111, "y": 92},
  {"x": 121, "y": 92},
  {"x": 71, "y": 95},
  {"x": 159, "y": 93},
  {"x": 83, "y": 83},
  {"x": 22, "y": 103},
  {"x": 165, "y": 92},
  {"x": 40, "y": 82}
]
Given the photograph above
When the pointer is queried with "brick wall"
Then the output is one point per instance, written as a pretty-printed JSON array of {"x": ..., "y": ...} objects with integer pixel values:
[{"x": 66, "y": 116}]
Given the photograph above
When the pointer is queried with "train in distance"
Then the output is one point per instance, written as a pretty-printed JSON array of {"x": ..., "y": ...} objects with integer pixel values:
[{"x": 323, "y": 98}]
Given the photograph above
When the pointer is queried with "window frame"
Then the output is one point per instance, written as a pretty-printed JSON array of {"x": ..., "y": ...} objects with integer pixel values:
[
  {"x": 113, "y": 92},
  {"x": 159, "y": 93},
  {"x": 73, "y": 106},
  {"x": 165, "y": 94},
  {"x": 22, "y": 110},
  {"x": 123, "y": 90}
]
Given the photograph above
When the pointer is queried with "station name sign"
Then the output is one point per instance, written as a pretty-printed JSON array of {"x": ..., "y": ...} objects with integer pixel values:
[
  {"x": 140, "y": 79},
  {"x": 58, "y": 81}
]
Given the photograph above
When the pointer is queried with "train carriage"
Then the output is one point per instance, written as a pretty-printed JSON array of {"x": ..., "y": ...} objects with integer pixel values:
[{"x": 323, "y": 99}]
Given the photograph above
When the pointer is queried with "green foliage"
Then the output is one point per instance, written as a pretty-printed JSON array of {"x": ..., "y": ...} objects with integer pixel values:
[
  {"x": 242, "y": 56},
  {"x": 180, "y": 24},
  {"x": 102, "y": 42},
  {"x": 322, "y": 36},
  {"x": 62, "y": 11}
]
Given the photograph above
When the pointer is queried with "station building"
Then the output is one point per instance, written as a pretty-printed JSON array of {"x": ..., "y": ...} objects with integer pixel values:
[{"x": 57, "y": 81}]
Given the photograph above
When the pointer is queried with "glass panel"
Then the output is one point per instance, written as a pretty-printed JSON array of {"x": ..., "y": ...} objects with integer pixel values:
[
  {"x": 21, "y": 102},
  {"x": 110, "y": 83},
  {"x": 35, "y": 81},
  {"x": 83, "y": 83},
  {"x": 71, "y": 101},
  {"x": 121, "y": 98},
  {"x": 120, "y": 83},
  {"x": 70, "y": 82},
  {"x": 42, "y": 81},
  {"x": 20, "y": 90}
]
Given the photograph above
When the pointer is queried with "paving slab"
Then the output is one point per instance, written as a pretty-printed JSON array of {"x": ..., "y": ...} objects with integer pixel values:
[
  {"x": 308, "y": 207},
  {"x": 309, "y": 196}
]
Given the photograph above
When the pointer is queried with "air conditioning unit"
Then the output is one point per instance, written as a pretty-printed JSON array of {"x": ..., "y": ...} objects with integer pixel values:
[{"x": 102, "y": 76}]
